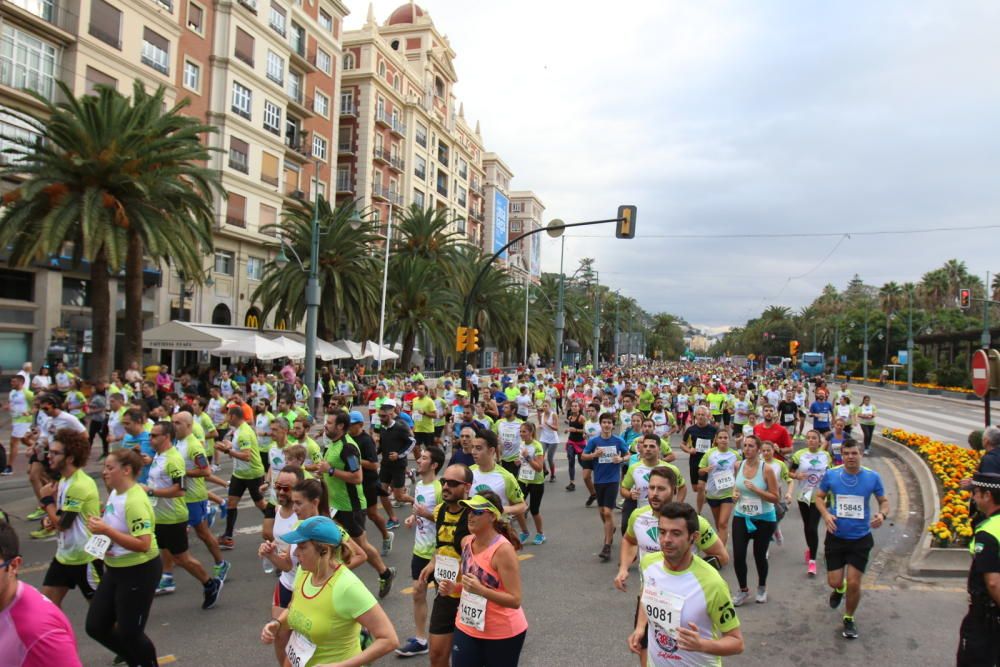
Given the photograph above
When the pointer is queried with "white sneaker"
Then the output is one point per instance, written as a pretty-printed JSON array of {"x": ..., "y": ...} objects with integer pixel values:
[{"x": 761, "y": 595}]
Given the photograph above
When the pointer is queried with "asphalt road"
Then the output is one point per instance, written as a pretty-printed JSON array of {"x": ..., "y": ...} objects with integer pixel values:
[{"x": 576, "y": 616}]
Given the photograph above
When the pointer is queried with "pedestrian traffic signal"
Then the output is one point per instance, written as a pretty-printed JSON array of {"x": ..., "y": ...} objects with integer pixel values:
[
  {"x": 793, "y": 348},
  {"x": 472, "y": 341},
  {"x": 626, "y": 222},
  {"x": 965, "y": 298},
  {"x": 461, "y": 339}
]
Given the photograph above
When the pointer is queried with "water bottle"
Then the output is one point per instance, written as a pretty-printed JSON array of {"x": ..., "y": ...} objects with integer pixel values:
[{"x": 268, "y": 565}]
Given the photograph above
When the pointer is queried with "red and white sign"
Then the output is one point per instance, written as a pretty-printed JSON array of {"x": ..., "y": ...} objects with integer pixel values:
[{"x": 980, "y": 373}]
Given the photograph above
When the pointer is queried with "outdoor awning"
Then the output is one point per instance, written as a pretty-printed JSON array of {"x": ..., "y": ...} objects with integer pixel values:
[
  {"x": 177, "y": 335},
  {"x": 373, "y": 350},
  {"x": 254, "y": 346}
]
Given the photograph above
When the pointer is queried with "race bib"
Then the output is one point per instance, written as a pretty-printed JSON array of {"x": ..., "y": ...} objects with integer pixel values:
[
  {"x": 844, "y": 411},
  {"x": 445, "y": 568},
  {"x": 525, "y": 473},
  {"x": 702, "y": 445},
  {"x": 97, "y": 546},
  {"x": 724, "y": 479},
  {"x": 664, "y": 610},
  {"x": 299, "y": 650},
  {"x": 417, "y": 415},
  {"x": 788, "y": 418},
  {"x": 866, "y": 411},
  {"x": 850, "y": 507},
  {"x": 607, "y": 453},
  {"x": 750, "y": 506},
  {"x": 824, "y": 417},
  {"x": 472, "y": 610},
  {"x": 806, "y": 496}
]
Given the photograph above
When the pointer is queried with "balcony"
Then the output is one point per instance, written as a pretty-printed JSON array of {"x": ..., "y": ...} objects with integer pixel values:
[
  {"x": 379, "y": 192},
  {"x": 442, "y": 190},
  {"x": 396, "y": 198},
  {"x": 381, "y": 155},
  {"x": 47, "y": 16},
  {"x": 301, "y": 105},
  {"x": 382, "y": 118},
  {"x": 106, "y": 37},
  {"x": 344, "y": 186},
  {"x": 158, "y": 66},
  {"x": 476, "y": 215},
  {"x": 443, "y": 157},
  {"x": 239, "y": 161},
  {"x": 398, "y": 128},
  {"x": 270, "y": 180},
  {"x": 478, "y": 189},
  {"x": 297, "y": 146},
  {"x": 349, "y": 111},
  {"x": 249, "y": 4},
  {"x": 345, "y": 148},
  {"x": 397, "y": 163},
  {"x": 302, "y": 61}
]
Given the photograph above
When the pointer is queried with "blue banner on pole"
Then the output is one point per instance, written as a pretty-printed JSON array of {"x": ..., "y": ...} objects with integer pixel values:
[
  {"x": 500, "y": 207},
  {"x": 903, "y": 357}
]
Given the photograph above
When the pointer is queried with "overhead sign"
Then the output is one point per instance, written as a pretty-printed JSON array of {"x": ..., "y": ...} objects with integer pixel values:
[
  {"x": 501, "y": 205},
  {"x": 980, "y": 373},
  {"x": 903, "y": 356}
]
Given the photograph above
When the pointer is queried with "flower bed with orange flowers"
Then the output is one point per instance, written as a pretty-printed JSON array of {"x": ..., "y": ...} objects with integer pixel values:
[
  {"x": 950, "y": 464},
  {"x": 902, "y": 383}
]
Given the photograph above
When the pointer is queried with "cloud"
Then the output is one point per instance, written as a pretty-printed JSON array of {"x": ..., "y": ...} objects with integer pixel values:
[{"x": 729, "y": 118}]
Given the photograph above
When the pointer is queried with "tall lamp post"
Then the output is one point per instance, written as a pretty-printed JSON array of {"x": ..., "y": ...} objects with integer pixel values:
[
  {"x": 909, "y": 339},
  {"x": 597, "y": 319},
  {"x": 560, "y": 309},
  {"x": 385, "y": 284}
]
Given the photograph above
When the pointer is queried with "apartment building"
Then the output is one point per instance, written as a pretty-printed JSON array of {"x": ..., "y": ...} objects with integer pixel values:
[
  {"x": 525, "y": 215},
  {"x": 265, "y": 73},
  {"x": 403, "y": 137}
]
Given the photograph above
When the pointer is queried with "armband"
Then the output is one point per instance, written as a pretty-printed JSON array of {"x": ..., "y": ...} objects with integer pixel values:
[{"x": 48, "y": 500}]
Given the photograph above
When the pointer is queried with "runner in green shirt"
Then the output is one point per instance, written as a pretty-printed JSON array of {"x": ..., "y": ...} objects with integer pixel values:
[{"x": 248, "y": 472}]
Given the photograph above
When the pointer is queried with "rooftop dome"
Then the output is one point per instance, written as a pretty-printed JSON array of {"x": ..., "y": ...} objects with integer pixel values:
[{"x": 407, "y": 13}]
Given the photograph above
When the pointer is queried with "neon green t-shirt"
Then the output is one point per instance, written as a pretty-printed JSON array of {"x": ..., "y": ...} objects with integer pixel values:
[
  {"x": 326, "y": 615},
  {"x": 77, "y": 493},
  {"x": 423, "y": 406},
  {"x": 191, "y": 451},
  {"x": 130, "y": 513},
  {"x": 245, "y": 440}
]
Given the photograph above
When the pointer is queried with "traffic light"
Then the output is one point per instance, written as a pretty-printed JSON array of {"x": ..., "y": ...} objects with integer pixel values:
[
  {"x": 472, "y": 342},
  {"x": 626, "y": 222},
  {"x": 965, "y": 298},
  {"x": 793, "y": 348},
  {"x": 461, "y": 338}
]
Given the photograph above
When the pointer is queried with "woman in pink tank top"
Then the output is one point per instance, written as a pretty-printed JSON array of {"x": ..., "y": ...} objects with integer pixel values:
[{"x": 490, "y": 627}]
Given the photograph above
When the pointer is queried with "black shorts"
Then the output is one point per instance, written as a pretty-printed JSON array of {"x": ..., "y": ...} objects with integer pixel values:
[
  {"x": 270, "y": 511},
  {"x": 718, "y": 502},
  {"x": 87, "y": 577},
  {"x": 371, "y": 492},
  {"x": 607, "y": 495},
  {"x": 282, "y": 596},
  {"x": 587, "y": 465},
  {"x": 352, "y": 521},
  {"x": 840, "y": 552},
  {"x": 644, "y": 642},
  {"x": 424, "y": 439},
  {"x": 237, "y": 486},
  {"x": 510, "y": 466},
  {"x": 694, "y": 460},
  {"x": 417, "y": 565},
  {"x": 438, "y": 430},
  {"x": 443, "y": 613},
  {"x": 393, "y": 474},
  {"x": 172, "y": 536}
]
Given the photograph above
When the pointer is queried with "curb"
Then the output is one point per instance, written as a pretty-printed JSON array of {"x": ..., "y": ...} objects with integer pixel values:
[{"x": 927, "y": 560}]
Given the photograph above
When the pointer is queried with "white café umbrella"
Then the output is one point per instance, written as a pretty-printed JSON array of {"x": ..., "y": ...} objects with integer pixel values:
[
  {"x": 293, "y": 348},
  {"x": 251, "y": 346},
  {"x": 372, "y": 350},
  {"x": 353, "y": 348}
]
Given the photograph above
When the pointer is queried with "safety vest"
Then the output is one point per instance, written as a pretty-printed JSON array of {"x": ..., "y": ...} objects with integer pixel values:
[{"x": 991, "y": 526}]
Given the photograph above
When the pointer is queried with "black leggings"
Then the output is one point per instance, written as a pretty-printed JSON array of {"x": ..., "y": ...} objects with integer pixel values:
[
  {"x": 533, "y": 494},
  {"x": 119, "y": 610},
  {"x": 868, "y": 430},
  {"x": 761, "y": 539},
  {"x": 810, "y": 525},
  {"x": 469, "y": 651},
  {"x": 99, "y": 428},
  {"x": 571, "y": 455}
]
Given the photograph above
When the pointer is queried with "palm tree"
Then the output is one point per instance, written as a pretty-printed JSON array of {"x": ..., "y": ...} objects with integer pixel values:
[
  {"x": 419, "y": 301},
  {"x": 995, "y": 287},
  {"x": 935, "y": 288},
  {"x": 776, "y": 313},
  {"x": 118, "y": 178},
  {"x": 349, "y": 297},
  {"x": 427, "y": 234}
]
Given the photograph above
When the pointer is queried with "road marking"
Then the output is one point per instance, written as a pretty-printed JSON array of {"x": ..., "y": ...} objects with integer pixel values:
[
  {"x": 525, "y": 556},
  {"x": 167, "y": 659},
  {"x": 929, "y": 588},
  {"x": 409, "y": 589},
  {"x": 41, "y": 567}
]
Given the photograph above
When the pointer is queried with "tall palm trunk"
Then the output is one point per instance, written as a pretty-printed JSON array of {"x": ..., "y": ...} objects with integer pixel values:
[
  {"x": 409, "y": 340},
  {"x": 133, "y": 300},
  {"x": 100, "y": 313}
]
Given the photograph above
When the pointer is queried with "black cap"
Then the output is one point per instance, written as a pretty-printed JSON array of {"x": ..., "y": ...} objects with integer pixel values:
[{"x": 986, "y": 480}]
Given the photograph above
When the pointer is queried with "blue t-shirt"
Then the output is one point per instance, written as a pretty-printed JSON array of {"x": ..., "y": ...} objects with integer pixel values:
[
  {"x": 850, "y": 488},
  {"x": 407, "y": 419},
  {"x": 606, "y": 473},
  {"x": 824, "y": 408},
  {"x": 130, "y": 441},
  {"x": 499, "y": 397}
]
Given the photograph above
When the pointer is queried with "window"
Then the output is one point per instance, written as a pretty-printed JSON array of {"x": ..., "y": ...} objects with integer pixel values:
[
  {"x": 442, "y": 153},
  {"x": 516, "y": 207},
  {"x": 75, "y": 292},
  {"x": 255, "y": 268},
  {"x": 12, "y": 130},
  {"x": 343, "y": 179},
  {"x": 272, "y": 117},
  {"x": 244, "y": 46},
  {"x": 242, "y": 100},
  {"x": 239, "y": 155},
  {"x": 267, "y": 220},
  {"x": 291, "y": 177},
  {"x": 321, "y": 104},
  {"x": 295, "y": 86},
  {"x": 346, "y": 101},
  {"x": 442, "y": 182},
  {"x": 319, "y": 147},
  {"x": 17, "y": 286},
  {"x": 298, "y": 39},
  {"x": 515, "y": 226},
  {"x": 323, "y": 61},
  {"x": 439, "y": 86},
  {"x": 419, "y": 167},
  {"x": 106, "y": 23},
  {"x": 345, "y": 139},
  {"x": 236, "y": 209},
  {"x": 196, "y": 17},
  {"x": 224, "y": 261},
  {"x": 397, "y": 83},
  {"x": 460, "y": 225},
  {"x": 277, "y": 19},
  {"x": 462, "y": 194},
  {"x": 166, "y": 4},
  {"x": 269, "y": 168},
  {"x": 348, "y": 61},
  {"x": 381, "y": 68},
  {"x": 325, "y": 21},
  {"x": 192, "y": 76},
  {"x": 96, "y": 77},
  {"x": 275, "y": 68},
  {"x": 27, "y": 62},
  {"x": 463, "y": 168},
  {"x": 155, "y": 49},
  {"x": 318, "y": 189},
  {"x": 421, "y": 135},
  {"x": 418, "y": 198}
]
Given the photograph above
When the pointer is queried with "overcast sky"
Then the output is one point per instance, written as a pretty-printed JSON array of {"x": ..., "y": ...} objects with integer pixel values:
[{"x": 731, "y": 118}]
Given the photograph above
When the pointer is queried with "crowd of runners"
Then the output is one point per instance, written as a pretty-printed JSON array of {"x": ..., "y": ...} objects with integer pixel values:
[{"x": 462, "y": 462}]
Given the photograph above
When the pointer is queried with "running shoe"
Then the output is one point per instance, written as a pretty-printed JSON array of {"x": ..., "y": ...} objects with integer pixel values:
[
  {"x": 591, "y": 500},
  {"x": 385, "y": 582},
  {"x": 571, "y": 487},
  {"x": 37, "y": 514},
  {"x": 391, "y": 524},
  {"x": 387, "y": 544},
  {"x": 539, "y": 539},
  {"x": 412, "y": 647},
  {"x": 779, "y": 539},
  {"x": 523, "y": 537},
  {"x": 118, "y": 660},
  {"x": 761, "y": 595},
  {"x": 221, "y": 570},
  {"x": 42, "y": 534},
  {"x": 7, "y": 471},
  {"x": 605, "y": 554},
  {"x": 835, "y": 598},
  {"x": 740, "y": 598},
  {"x": 552, "y": 479},
  {"x": 166, "y": 585},
  {"x": 811, "y": 570},
  {"x": 226, "y": 543},
  {"x": 850, "y": 628},
  {"x": 212, "y": 591}
]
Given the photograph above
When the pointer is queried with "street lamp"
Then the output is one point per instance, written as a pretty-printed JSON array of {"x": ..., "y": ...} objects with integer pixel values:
[
  {"x": 355, "y": 223},
  {"x": 909, "y": 339},
  {"x": 188, "y": 292}
]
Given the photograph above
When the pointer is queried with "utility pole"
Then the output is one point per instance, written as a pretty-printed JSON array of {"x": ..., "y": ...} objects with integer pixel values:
[
  {"x": 560, "y": 313},
  {"x": 617, "y": 326},
  {"x": 864, "y": 363},
  {"x": 909, "y": 340},
  {"x": 597, "y": 318}
]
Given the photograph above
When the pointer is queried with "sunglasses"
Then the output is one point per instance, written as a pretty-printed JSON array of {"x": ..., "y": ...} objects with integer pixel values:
[
  {"x": 452, "y": 482},
  {"x": 282, "y": 487},
  {"x": 479, "y": 512},
  {"x": 7, "y": 563}
]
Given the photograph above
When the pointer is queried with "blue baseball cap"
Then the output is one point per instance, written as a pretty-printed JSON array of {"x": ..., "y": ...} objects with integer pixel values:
[
  {"x": 318, "y": 529},
  {"x": 356, "y": 417}
]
